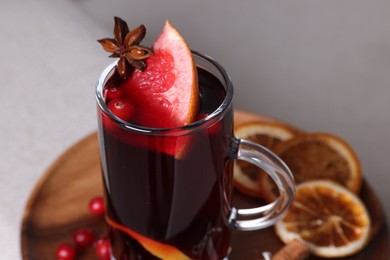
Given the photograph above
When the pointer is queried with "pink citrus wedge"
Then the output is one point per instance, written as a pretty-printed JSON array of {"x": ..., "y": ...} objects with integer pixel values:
[{"x": 166, "y": 93}]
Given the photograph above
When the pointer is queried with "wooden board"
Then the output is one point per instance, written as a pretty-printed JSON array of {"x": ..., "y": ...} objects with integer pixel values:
[{"x": 58, "y": 206}]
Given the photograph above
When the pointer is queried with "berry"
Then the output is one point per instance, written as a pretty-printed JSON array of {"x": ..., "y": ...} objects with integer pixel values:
[
  {"x": 212, "y": 130},
  {"x": 96, "y": 206},
  {"x": 114, "y": 93},
  {"x": 103, "y": 249},
  {"x": 65, "y": 252},
  {"x": 122, "y": 108},
  {"x": 83, "y": 237},
  {"x": 202, "y": 116}
]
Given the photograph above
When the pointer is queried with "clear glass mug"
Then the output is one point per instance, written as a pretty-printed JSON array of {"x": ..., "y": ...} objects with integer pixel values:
[{"x": 168, "y": 192}]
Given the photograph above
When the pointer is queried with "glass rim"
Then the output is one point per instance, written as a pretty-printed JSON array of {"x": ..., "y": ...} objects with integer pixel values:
[{"x": 206, "y": 122}]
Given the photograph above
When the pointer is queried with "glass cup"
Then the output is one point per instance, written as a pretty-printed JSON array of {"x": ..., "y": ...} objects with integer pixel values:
[{"x": 168, "y": 192}]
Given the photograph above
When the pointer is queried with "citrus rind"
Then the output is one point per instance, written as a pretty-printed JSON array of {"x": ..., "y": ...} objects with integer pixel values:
[{"x": 272, "y": 129}]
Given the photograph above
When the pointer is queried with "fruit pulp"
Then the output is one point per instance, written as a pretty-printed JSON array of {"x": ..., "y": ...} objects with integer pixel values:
[{"x": 182, "y": 202}]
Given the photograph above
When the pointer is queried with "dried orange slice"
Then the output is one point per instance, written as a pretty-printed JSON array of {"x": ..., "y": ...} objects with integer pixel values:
[
  {"x": 248, "y": 179},
  {"x": 321, "y": 156},
  {"x": 330, "y": 219}
]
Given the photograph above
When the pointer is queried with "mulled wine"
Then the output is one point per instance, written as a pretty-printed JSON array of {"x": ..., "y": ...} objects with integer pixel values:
[{"x": 172, "y": 190}]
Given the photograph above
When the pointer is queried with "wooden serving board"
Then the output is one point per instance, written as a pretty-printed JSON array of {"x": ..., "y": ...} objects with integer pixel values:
[{"x": 59, "y": 205}]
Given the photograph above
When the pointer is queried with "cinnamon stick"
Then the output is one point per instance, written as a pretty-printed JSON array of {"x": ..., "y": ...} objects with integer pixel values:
[{"x": 295, "y": 250}]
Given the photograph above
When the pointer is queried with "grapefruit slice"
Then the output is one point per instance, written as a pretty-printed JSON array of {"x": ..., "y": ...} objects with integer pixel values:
[{"x": 166, "y": 93}]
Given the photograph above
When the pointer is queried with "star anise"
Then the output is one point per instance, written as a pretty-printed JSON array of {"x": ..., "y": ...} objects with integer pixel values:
[{"x": 126, "y": 47}]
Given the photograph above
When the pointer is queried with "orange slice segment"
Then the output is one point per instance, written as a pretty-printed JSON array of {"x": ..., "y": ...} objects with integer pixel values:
[
  {"x": 248, "y": 178},
  {"x": 321, "y": 156},
  {"x": 331, "y": 220},
  {"x": 160, "y": 250}
]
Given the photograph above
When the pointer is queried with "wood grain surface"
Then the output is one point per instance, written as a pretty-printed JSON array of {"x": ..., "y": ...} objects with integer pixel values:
[{"x": 59, "y": 205}]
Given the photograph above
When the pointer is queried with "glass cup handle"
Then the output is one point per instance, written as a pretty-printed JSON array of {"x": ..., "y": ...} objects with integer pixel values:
[{"x": 270, "y": 163}]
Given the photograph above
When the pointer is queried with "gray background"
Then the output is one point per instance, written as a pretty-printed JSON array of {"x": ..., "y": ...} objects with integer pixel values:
[{"x": 319, "y": 65}]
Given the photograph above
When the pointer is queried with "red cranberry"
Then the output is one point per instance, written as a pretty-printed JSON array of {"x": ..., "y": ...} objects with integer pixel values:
[
  {"x": 212, "y": 130},
  {"x": 65, "y": 252},
  {"x": 202, "y": 116},
  {"x": 114, "y": 92},
  {"x": 96, "y": 206},
  {"x": 83, "y": 237},
  {"x": 122, "y": 108},
  {"x": 103, "y": 249}
]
